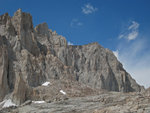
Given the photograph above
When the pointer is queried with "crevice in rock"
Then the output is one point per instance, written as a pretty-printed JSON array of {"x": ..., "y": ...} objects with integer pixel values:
[{"x": 8, "y": 76}]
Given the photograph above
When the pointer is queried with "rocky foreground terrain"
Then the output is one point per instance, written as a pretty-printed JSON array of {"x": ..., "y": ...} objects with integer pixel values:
[
  {"x": 41, "y": 73},
  {"x": 104, "y": 102}
]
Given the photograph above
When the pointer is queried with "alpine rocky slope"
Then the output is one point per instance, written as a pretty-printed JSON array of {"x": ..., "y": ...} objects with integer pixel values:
[{"x": 30, "y": 56}]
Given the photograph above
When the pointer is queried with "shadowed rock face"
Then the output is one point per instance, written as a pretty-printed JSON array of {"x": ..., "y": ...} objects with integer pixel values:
[
  {"x": 30, "y": 56},
  {"x": 3, "y": 69}
]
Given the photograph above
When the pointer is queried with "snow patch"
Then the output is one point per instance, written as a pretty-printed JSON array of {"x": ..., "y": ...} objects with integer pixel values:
[
  {"x": 8, "y": 103},
  {"x": 38, "y": 102},
  {"x": 46, "y": 84},
  {"x": 61, "y": 91}
]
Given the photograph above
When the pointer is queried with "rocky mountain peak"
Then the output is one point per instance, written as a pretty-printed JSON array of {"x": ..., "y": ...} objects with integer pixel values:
[
  {"x": 22, "y": 21},
  {"x": 42, "y": 29},
  {"x": 31, "y": 56}
]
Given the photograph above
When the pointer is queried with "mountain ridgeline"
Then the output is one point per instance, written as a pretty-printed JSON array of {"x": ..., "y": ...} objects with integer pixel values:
[{"x": 31, "y": 56}]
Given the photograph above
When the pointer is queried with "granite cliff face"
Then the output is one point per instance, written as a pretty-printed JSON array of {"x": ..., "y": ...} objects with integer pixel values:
[{"x": 31, "y": 56}]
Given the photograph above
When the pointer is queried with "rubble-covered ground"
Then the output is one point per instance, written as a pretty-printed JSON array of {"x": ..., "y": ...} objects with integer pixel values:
[{"x": 102, "y": 102}]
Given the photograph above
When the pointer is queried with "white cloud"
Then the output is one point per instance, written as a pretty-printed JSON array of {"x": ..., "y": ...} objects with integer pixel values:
[
  {"x": 132, "y": 35},
  {"x": 121, "y": 36},
  {"x": 89, "y": 9},
  {"x": 134, "y": 55},
  {"x": 75, "y": 23},
  {"x": 131, "y": 32},
  {"x": 135, "y": 58},
  {"x": 134, "y": 26},
  {"x": 70, "y": 43}
]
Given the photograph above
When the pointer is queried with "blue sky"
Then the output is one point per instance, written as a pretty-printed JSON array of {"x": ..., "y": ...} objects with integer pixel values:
[{"x": 123, "y": 26}]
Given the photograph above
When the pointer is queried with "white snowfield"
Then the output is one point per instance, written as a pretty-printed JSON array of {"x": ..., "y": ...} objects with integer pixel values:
[
  {"x": 38, "y": 102},
  {"x": 61, "y": 91},
  {"x": 45, "y": 83},
  {"x": 8, "y": 103}
]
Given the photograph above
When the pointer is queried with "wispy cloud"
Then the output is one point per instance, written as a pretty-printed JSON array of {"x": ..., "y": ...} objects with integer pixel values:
[
  {"x": 133, "y": 35},
  {"x": 135, "y": 58},
  {"x": 135, "y": 55},
  {"x": 70, "y": 43},
  {"x": 75, "y": 23},
  {"x": 131, "y": 32},
  {"x": 89, "y": 9},
  {"x": 133, "y": 26}
]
